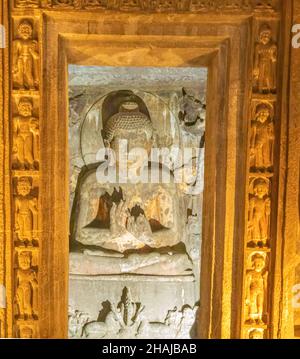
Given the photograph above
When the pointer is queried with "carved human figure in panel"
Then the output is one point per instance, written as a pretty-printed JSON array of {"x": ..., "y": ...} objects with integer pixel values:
[
  {"x": 27, "y": 284},
  {"x": 25, "y": 59},
  {"x": 25, "y": 137},
  {"x": 26, "y": 212},
  {"x": 259, "y": 213},
  {"x": 262, "y": 138},
  {"x": 256, "y": 283},
  {"x": 265, "y": 62}
]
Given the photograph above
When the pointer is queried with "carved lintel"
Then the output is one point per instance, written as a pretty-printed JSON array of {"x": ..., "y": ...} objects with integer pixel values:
[{"x": 154, "y": 5}]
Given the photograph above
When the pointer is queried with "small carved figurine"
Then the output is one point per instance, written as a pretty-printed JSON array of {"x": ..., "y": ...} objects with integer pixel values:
[
  {"x": 25, "y": 137},
  {"x": 25, "y": 59},
  {"x": 262, "y": 138},
  {"x": 26, "y": 212},
  {"x": 25, "y": 332},
  {"x": 259, "y": 213},
  {"x": 27, "y": 284},
  {"x": 265, "y": 62},
  {"x": 256, "y": 282}
]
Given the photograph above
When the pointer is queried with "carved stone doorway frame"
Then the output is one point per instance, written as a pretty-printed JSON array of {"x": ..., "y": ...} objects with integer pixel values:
[{"x": 223, "y": 42}]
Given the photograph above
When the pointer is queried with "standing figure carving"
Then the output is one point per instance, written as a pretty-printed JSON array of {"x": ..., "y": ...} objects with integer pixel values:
[
  {"x": 26, "y": 292},
  {"x": 256, "y": 283},
  {"x": 25, "y": 137},
  {"x": 265, "y": 62},
  {"x": 259, "y": 213},
  {"x": 26, "y": 212},
  {"x": 262, "y": 138},
  {"x": 25, "y": 59}
]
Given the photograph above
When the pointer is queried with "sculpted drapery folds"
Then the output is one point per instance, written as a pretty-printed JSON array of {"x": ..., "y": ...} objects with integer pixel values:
[
  {"x": 25, "y": 137},
  {"x": 25, "y": 59},
  {"x": 265, "y": 62}
]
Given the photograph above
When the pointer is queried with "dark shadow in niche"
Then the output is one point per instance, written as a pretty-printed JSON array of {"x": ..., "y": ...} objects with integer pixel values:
[{"x": 104, "y": 311}]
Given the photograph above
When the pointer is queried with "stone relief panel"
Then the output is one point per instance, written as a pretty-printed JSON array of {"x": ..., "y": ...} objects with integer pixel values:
[
  {"x": 126, "y": 320},
  {"x": 262, "y": 137},
  {"x": 265, "y": 62},
  {"x": 256, "y": 290},
  {"x": 25, "y": 136},
  {"x": 26, "y": 285},
  {"x": 26, "y": 212},
  {"x": 259, "y": 212},
  {"x": 143, "y": 230},
  {"x": 25, "y": 57}
]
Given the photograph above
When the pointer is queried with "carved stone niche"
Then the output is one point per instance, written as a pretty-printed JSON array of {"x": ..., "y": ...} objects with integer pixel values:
[
  {"x": 256, "y": 283},
  {"x": 259, "y": 212},
  {"x": 25, "y": 55},
  {"x": 262, "y": 136},
  {"x": 25, "y": 129},
  {"x": 25, "y": 211}
]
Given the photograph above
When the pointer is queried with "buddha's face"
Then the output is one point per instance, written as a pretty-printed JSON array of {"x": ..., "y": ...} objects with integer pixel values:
[
  {"x": 23, "y": 188},
  {"x": 258, "y": 264},
  {"x": 25, "y": 31},
  {"x": 25, "y": 108},
  {"x": 263, "y": 115},
  {"x": 265, "y": 37},
  {"x": 24, "y": 260},
  {"x": 261, "y": 190},
  {"x": 134, "y": 139}
]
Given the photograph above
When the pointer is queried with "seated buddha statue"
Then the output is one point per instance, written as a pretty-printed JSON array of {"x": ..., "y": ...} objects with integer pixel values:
[{"x": 137, "y": 222}]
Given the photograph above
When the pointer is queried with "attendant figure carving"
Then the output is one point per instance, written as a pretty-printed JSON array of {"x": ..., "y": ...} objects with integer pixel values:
[{"x": 25, "y": 59}]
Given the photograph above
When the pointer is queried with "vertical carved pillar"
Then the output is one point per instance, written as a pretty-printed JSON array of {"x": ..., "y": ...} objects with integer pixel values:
[
  {"x": 259, "y": 244},
  {"x": 25, "y": 155}
]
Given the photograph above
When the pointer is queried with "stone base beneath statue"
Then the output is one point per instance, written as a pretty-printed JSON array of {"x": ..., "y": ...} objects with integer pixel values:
[{"x": 163, "y": 302}]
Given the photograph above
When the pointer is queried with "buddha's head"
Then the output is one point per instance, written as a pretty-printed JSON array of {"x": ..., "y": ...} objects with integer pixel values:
[
  {"x": 24, "y": 186},
  {"x": 258, "y": 262},
  {"x": 25, "y": 107},
  {"x": 265, "y": 34},
  {"x": 24, "y": 260},
  {"x": 25, "y": 30},
  {"x": 131, "y": 125},
  {"x": 261, "y": 188}
]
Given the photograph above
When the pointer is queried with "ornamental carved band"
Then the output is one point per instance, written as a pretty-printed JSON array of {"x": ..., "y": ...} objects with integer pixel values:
[
  {"x": 25, "y": 172},
  {"x": 153, "y": 5},
  {"x": 261, "y": 172}
]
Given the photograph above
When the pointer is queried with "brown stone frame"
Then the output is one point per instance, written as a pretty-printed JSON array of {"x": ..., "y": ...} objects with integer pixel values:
[{"x": 218, "y": 46}]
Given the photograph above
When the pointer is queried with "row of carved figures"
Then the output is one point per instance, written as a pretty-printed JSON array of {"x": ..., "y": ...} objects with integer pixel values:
[
  {"x": 153, "y": 5},
  {"x": 261, "y": 151},
  {"x": 25, "y": 163}
]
